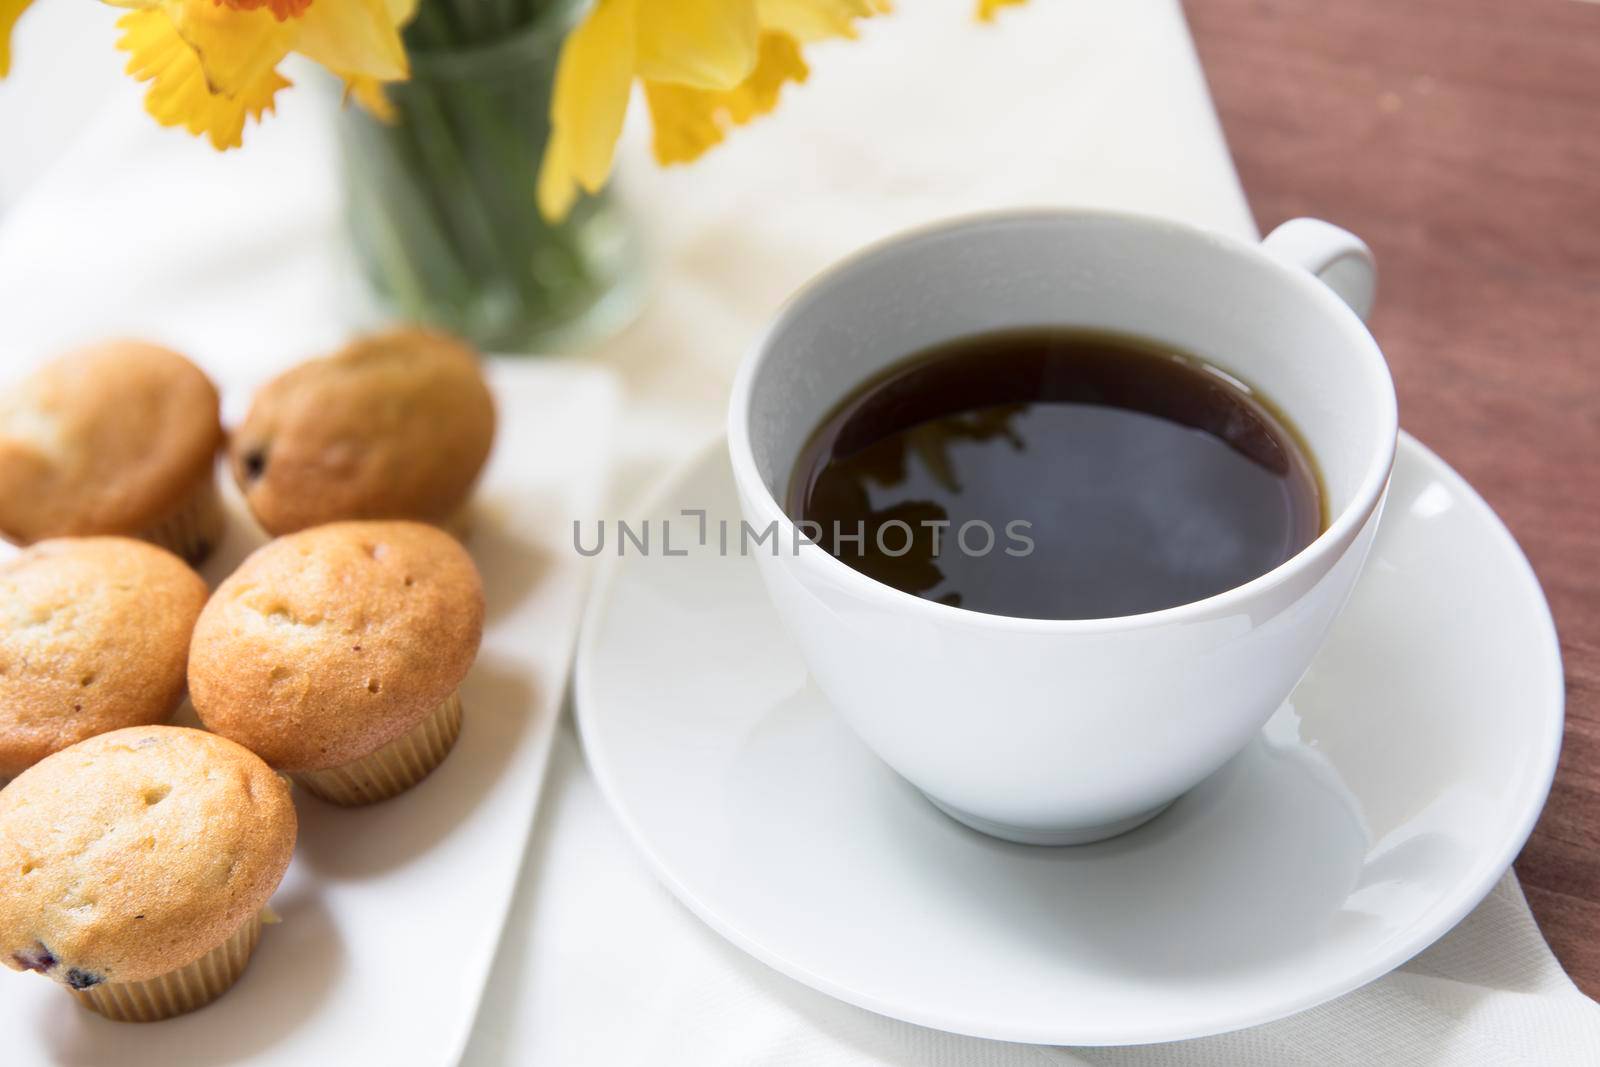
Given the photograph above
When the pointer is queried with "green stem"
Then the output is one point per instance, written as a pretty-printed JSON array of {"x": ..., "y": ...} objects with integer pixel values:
[
  {"x": 457, "y": 196},
  {"x": 444, "y": 202},
  {"x": 435, "y": 26}
]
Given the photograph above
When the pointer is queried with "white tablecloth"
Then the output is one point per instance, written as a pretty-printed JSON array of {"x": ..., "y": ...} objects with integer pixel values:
[{"x": 110, "y": 225}]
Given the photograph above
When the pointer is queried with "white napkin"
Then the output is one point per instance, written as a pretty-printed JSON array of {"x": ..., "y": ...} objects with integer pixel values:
[{"x": 135, "y": 229}]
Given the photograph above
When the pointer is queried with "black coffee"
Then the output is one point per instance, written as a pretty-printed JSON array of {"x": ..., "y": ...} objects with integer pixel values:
[{"x": 1057, "y": 474}]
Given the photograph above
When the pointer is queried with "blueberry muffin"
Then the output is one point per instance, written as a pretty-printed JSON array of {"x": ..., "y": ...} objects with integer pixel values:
[
  {"x": 335, "y": 654},
  {"x": 137, "y": 865},
  {"x": 395, "y": 426},
  {"x": 94, "y": 636},
  {"x": 118, "y": 438}
]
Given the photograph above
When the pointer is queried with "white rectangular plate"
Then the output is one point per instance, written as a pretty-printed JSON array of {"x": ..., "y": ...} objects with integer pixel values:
[{"x": 391, "y": 914}]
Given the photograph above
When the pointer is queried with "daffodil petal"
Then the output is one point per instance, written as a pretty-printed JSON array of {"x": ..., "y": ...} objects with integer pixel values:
[
  {"x": 987, "y": 9},
  {"x": 281, "y": 9},
  {"x": 558, "y": 188},
  {"x": 813, "y": 20},
  {"x": 10, "y": 12},
  {"x": 705, "y": 44},
  {"x": 236, "y": 49},
  {"x": 687, "y": 121},
  {"x": 360, "y": 37},
  {"x": 369, "y": 93},
  {"x": 594, "y": 76},
  {"x": 179, "y": 95},
  {"x": 401, "y": 12},
  {"x": 778, "y": 63},
  {"x": 683, "y": 125}
]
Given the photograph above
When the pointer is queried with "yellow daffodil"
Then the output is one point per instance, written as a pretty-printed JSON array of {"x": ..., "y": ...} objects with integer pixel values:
[
  {"x": 284, "y": 9},
  {"x": 179, "y": 90},
  {"x": 688, "y": 121},
  {"x": 705, "y": 65},
  {"x": 212, "y": 64}
]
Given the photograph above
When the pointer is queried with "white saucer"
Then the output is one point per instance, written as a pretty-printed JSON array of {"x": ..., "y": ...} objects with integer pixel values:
[{"x": 1374, "y": 811}]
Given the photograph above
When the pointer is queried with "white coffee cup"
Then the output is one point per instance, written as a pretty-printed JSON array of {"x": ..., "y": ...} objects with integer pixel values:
[{"x": 1059, "y": 732}]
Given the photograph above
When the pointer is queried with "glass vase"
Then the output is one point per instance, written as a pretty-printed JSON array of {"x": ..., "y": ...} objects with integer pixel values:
[{"x": 441, "y": 200}]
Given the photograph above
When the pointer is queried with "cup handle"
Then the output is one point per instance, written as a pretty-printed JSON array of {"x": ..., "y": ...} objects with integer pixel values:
[{"x": 1338, "y": 257}]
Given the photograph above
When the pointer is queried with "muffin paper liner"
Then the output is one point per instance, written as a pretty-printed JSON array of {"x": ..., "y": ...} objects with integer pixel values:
[
  {"x": 395, "y": 767},
  {"x": 194, "y": 527},
  {"x": 176, "y": 992}
]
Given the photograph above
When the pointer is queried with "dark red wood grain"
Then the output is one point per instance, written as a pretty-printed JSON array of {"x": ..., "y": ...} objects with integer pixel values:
[{"x": 1461, "y": 139}]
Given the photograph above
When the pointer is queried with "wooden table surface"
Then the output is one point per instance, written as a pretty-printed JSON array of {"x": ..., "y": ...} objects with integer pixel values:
[{"x": 1461, "y": 139}]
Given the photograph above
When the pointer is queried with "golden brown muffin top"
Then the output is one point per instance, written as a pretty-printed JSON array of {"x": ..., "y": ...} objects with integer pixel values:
[
  {"x": 104, "y": 440},
  {"x": 327, "y": 644},
  {"x": 137, "y": 852},
  {"x": 395, "y": 426},
  {"x": 94, "y": 636}
]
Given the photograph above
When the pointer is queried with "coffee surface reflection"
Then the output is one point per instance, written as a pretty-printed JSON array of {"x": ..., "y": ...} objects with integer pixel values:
[{"x": 1057, "y": 474}]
